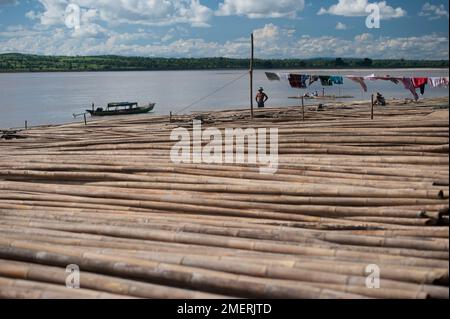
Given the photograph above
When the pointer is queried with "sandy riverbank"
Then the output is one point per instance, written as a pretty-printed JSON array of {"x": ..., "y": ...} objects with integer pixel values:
[{"x": 349, "y": 192}]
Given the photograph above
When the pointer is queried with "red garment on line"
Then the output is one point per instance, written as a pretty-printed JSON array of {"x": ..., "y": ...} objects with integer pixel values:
[{"x": 419, "y": 82}]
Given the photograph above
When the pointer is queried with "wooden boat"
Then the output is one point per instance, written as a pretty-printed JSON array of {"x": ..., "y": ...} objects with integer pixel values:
[{"x": 121, "y": 108}]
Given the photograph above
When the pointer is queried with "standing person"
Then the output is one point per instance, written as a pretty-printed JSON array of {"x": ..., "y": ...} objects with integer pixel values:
[{"x": 261, "y": 98}]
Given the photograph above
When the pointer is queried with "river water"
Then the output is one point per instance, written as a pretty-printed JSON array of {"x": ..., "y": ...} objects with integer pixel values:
[{"x": 52, "y": 98}]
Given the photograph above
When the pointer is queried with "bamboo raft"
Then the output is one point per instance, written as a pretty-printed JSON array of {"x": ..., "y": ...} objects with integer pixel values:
[{"x": 349, "y": 192}]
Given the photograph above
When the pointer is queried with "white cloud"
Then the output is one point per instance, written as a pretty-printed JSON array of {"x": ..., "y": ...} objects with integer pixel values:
[
  {"x": 434, "y": 12},
  {"x": 271, "y": 41},
  {"x": 255, "y": 9},
  {"x": 32, "y": 15},
  {"x": 341, "y": 26},
  {"x": 432, "y": 47},
  {"x": 363, "y": 37},
  {"x": 90, "y": 31},
  {"x": 357, "y": 8},
  {"x": 269, "y": 32},
  {"x": 145, "y": 12}
]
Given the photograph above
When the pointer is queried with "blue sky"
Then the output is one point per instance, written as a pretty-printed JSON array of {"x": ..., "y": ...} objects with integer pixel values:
[{"x": 198, "y": 28}]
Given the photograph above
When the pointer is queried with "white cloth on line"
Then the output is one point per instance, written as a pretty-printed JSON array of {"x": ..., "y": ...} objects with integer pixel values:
[
  {"x": 283, "y": 76},
  {"x": 438, "y": 82}
]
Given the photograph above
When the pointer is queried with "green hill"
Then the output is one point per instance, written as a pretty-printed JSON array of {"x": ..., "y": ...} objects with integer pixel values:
[{"x": 14, "y": 62}]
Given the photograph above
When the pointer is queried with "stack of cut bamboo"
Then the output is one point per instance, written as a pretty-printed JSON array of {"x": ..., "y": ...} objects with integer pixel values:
[{"x": 349, "y": 193}]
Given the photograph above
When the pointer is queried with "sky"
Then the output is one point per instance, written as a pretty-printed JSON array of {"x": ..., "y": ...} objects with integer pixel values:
[{"x": 409, "y": 29}]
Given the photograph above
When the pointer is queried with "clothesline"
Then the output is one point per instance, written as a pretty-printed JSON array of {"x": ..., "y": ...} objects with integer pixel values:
[{"x": 302, "y": 81}]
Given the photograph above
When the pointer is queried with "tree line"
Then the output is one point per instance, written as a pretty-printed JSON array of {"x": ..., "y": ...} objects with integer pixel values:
[{"x": 39, "y": 63}]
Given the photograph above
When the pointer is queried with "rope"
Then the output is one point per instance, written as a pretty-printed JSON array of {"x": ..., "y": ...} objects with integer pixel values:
[{"x": 211, "y": 94}]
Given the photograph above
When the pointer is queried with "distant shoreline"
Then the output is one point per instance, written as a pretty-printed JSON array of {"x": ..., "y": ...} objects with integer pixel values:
[
  {"x": 25, "y": 63},
  {"x": 236, "y": 69}
]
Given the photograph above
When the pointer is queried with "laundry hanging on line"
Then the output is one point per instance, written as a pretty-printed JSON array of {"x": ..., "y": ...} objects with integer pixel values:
[
  {"x": 359, "y": 80},
  {"x": 386, "y": 78},
  {"x": 337, "y": 79},
  {"x": 273, "y": 76},
  {"x": 419, "y": 83},
  {"x": 410, "y": 83},
  {"x": 302, "y": 81},
  {"x": 298, "y": 81},
  {"x": 325, "y": 80},
  {"x": 313, "y": 78},
  {"x": 438, "y": 82}
]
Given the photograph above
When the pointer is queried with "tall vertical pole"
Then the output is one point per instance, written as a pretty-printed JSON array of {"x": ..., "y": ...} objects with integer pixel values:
[
  {"x": 303, "y": 107},
  {"x": 251, "y": 74},
  {"x": 371, "y": 112}
]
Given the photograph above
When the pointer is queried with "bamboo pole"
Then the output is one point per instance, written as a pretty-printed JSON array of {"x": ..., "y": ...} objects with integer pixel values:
[
  {"x": 94, "y": 282},
  {"x": 303, "y": 108},
  {"x": 348, "y": 192},
  {"x": 251, "y": 74},
  {"x": 371, "y": 107}
]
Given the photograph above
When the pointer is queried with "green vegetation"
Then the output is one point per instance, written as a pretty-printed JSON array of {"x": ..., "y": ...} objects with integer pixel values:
[{"x": 37, "y": 63}]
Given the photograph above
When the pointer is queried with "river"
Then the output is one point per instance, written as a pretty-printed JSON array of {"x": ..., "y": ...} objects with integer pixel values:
[{"x": 52, "y": 98}]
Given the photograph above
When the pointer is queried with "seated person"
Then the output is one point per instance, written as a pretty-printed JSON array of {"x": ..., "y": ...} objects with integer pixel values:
[{"x": 380, "y": 100}]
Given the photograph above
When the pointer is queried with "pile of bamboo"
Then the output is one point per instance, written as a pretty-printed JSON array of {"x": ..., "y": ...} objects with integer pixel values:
[{"x": 349, "y": 192}]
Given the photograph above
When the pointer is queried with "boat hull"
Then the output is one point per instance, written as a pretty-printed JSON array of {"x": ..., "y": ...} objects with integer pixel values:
[{"x": 136, "y": 110}]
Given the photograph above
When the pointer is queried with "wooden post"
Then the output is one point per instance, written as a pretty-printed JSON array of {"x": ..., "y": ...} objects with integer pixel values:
[
  {"x": 170, "y": 118},
  {"x": 85, "y": 121},
  {"x": 323, "y": 92},
  {"x": 303, "y": 107},
  {"x": 251, "y": 75},
  {"x": 371, "y": 111},
  {"x": 26, "y": 125}
]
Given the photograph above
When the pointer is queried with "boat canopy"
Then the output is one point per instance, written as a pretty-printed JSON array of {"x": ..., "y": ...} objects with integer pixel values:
[{"x": 122, "y": 104}]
